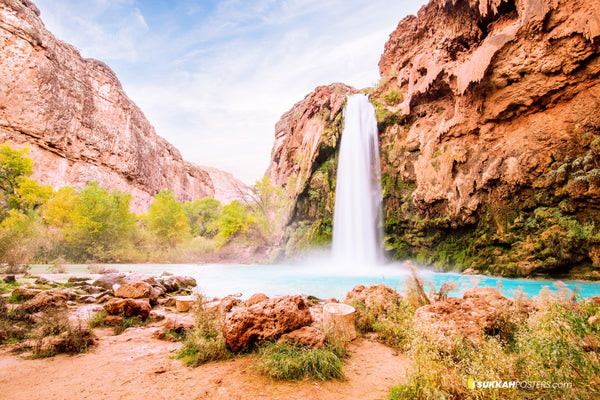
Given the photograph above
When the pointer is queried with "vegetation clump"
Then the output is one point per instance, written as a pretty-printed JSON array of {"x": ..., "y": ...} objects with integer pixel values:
[
  {"x": 204, "y": 343},
  {"x": 38, "y": 224},
  {"x": 284, "y": 361}
]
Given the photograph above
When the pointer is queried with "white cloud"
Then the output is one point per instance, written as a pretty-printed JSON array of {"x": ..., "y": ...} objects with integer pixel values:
[{"x": 215, "y": 84}]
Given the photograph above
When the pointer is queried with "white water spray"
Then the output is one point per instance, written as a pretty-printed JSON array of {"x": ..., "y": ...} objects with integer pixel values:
[{"x": 357, "y": 228}]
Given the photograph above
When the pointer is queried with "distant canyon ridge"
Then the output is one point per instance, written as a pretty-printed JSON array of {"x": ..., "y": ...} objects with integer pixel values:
[{"x": 80, "y": 125}]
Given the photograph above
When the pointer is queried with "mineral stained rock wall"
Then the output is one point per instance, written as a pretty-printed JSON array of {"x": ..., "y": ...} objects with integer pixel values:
[
  {"x": 77, "y": 120},
  {"x": 489, "y": 117}
]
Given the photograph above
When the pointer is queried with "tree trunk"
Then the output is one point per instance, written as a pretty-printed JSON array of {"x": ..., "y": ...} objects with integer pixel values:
[{"x": 338, "y": 321}]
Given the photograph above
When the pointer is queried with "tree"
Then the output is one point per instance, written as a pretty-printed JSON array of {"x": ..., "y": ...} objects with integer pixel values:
[
  {"x": 234, "y": 220},
  {"x": 58, "y": 210},
  {"x": 270, "y": 207},
  {"x": 17, "y": 190},
  {"x": 100, "y": 224},
  {"x": 202, "y": 216},
  {"x": 167, "y": 219}
]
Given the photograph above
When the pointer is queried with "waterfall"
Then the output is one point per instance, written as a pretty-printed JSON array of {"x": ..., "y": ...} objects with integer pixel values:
[{"x": 357, "y": 228}]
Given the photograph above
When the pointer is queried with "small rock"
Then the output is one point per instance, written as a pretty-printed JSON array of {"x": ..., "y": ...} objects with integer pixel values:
[
  {"x": 9, "y": 279},
  {"x": 256, "y": 298},
  {"x": 178, "y": 323},
  {"x": 107, "y": 281},
  {"x": 306, "y": 336},
  {"x": 113, "y": 320},
  {"x": 184, "y": 303}
]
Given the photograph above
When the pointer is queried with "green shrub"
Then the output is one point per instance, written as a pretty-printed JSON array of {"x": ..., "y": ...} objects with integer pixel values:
[
  {"x": 205, "y": 342},
  {"x": 283, "y": 361},
  {"x": 393, "y": 97}
]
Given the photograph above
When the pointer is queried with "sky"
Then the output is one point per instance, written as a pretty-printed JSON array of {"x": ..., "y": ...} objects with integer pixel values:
[{"x": 213, "y": 77}]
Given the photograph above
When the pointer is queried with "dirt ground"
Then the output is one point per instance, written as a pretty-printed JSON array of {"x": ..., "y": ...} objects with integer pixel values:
[{"x": 133, "y": 365}]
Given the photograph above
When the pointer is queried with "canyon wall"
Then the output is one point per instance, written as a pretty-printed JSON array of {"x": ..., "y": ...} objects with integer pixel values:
[
  {"x": 78, "y": 122},
  {"x": 489, "y": 119}
]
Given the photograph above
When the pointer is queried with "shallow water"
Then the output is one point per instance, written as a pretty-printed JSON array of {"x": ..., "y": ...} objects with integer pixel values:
[{"x": 218, "y": 280}]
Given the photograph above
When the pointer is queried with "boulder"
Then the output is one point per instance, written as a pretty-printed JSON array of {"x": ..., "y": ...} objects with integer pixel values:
[
  {"x": 256, "y": 298},
  {"x": 135, "y": 290},
  {"x": 377, "y": 298},
  {"x": 479, "y": 312},
  {"x": 24, "y": 293},
  {"x": 47, "y": 299},
  {"x": 109, "y": 280},
  {"x": 176, "y": 283},
  {"x": 307, "y": 336},
  {"x": 267, "y": 320},
  {"x": 9, "y": 279},
  {"x": 222, "y": 306},
  {"x": 128, "y": 307}
]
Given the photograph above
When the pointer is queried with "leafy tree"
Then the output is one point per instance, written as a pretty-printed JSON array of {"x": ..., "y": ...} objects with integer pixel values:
[
  {"x": 202, "y": 216},
  {"x": 58, "y": 210},
  {"x": 29, "y": 195},
  {"x": 234, "y": 220},
  {"x": 17, "y": 233},
  {"x": 17, "y": 190},
  {"x": 270, "y": 205},
  {"x": 100, "y": 223},
  {"x": 167, "y": 219}
]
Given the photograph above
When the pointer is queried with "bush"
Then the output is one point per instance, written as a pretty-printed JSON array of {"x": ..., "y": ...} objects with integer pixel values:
[
  {"x": 286, "y": 362},
  {"x": 393, "y": 97},
  {"x": 205, "y": 342},
  {"x": 553, "y": 344}
]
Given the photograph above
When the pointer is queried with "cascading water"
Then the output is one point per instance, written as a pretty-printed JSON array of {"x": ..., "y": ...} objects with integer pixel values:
[{"x": 357, "y": 228}]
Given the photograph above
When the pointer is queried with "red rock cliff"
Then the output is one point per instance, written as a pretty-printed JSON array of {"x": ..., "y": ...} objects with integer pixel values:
[
  {"x": 490, "y": 136},
  {"x": 77, "y": 120}
]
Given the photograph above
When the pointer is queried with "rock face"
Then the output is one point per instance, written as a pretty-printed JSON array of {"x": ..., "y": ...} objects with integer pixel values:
[
  {"x": 77, "y": 120},
  {"x": 306, "y": 139},
  {"x": 267, "y": 320},
  {"x": 490, "y": 137}
]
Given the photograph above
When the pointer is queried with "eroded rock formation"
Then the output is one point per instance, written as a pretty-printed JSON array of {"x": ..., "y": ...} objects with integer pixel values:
[
  {"x": 77, "y": 120},
  {"x": 490, "y": 137}
]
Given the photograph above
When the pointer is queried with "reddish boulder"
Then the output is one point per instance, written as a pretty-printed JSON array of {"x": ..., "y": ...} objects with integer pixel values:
[
  {"x": 267, "y": 320},
  {"x": 377, "y": 298},
  {"x": 256, "y": 298},
  {"x": 306, "y": 336},
  {"x": 47, "y": 299},
  {"x": 135, "y": 290},
  {"x": 128, "y": 307},
  {"x": 478, "y": 312}
]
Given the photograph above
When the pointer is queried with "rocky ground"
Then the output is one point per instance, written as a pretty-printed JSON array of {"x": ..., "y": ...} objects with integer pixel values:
[
  {"x": 139, "y": 320},
  {"x": 141, "y": 361}
]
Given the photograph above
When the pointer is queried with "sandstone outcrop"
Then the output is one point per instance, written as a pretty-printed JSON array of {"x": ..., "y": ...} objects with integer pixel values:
[
  {"x": 77, "y": 120},
  {"x": 489, "y": 136},
  {"x": 267, "y": 320}
]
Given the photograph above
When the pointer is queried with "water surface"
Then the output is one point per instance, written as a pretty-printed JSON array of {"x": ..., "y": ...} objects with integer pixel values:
[{"x": 218, "y": 280}]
